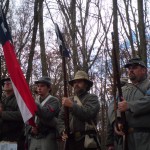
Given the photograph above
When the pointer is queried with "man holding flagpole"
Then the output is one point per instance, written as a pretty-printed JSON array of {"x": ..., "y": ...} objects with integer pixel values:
[
  {"x": 21, "y": 89},
  {"x": 11, "y": 122}
]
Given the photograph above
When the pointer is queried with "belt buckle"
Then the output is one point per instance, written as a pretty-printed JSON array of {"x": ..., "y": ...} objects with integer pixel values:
[
  {"x": 77, "y": 134},
  {"x": 130, "y": 130}
]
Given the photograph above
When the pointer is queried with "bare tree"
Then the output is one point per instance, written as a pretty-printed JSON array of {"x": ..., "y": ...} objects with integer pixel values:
[
  {"x": 42, "y": 41},
  {"x": 141, "y": 27},
  {"x": 33, "y": 41}
]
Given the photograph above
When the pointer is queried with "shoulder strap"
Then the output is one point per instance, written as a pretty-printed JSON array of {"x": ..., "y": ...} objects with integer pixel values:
[
  {"x": 139, "y": 89},
  {"x": 45, "y": 100},
  {"x": 143, "y": 92},
  {"x": 42, "y": 104},
  {"x": 76, "y": 98}
]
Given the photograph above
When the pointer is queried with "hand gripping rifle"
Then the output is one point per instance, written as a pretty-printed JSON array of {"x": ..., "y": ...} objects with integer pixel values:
[
  {"x": 64, "y": 53},
  {"x": 117, "y": 87}
]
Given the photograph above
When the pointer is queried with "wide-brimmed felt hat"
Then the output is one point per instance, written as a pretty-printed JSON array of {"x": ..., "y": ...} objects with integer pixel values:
[
  {"x": 81, "y": 75},
  {"x": 3, "y": 80},
  {"x": 135, "y": 61},
  {"x": 44, "y": 79}
]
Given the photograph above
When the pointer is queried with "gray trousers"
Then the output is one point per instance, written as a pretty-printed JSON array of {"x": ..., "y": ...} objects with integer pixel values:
[
  {"x": 136, "y": 141},
  {"x": 47, "y": 143},
  {"x": 139, "y": 141}
]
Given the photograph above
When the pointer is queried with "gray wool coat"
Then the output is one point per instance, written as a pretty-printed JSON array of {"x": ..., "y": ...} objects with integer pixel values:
[{"x": 138, "y": 114}]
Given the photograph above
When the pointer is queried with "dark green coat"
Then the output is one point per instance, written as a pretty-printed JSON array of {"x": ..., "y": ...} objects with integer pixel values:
[
  {"x": 11, "y": 122},
  {"x": 80, "y": 114}
]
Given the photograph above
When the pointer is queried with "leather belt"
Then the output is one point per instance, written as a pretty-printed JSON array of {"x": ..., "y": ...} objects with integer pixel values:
[
  {"x": 76, "y": 135},
  {"x": 39, "y": 136},
  {"x": 138, "y": 129},
  {"x": 80, "y": 134}
]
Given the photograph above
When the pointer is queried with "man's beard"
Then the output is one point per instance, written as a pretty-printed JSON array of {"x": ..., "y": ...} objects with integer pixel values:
[
  {"x": 132, "y": 77},
  {"x": 136, "y": 79},
  {"x": 78, "y": 90}
]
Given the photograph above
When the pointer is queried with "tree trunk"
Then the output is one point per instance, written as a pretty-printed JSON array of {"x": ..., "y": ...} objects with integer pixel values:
[
  {"x": 141, "y": 26},
  {"x": 42, "y": 42},
  {"x": 73, "y": 33},
  {"x": 31, "y": 55}
]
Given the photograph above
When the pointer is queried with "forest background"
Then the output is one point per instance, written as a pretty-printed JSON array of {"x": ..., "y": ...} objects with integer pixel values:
[{"x": 86, "y": 27}]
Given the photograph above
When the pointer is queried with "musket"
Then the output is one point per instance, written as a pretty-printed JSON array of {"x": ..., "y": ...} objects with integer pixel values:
[
  {"x": 64, "y": 53},
  {"x": 117, "y": 86}
]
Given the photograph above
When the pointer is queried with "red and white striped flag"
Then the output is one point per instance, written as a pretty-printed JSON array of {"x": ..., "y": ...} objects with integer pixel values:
[{"x": 23, "y": 95}]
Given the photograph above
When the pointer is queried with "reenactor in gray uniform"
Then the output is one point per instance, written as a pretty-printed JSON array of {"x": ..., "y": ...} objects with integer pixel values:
[
  {"x": 11, "y": 122},
  {"x": 110, "y": 136},
  {"x": 136, "y": 105},
  {"x": 113, "y": 141},
  {"x": 79, "y": 114},
  {"x": 43, "y": 136}
]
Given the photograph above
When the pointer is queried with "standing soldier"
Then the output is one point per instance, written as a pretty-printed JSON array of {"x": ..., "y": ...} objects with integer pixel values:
[
  {"x": 43, "y": 136},
  {"x": 136, "y": 105},
  {"x": 11, "y": 122},
  {"x": 113, "y": 142},
  {"x": 83, "y": 109}
]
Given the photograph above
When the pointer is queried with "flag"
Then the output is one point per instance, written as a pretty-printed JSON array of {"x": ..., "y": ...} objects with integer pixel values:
[
  {"x": 63, "y": 50},
  {"x": 23, "y": 95}
]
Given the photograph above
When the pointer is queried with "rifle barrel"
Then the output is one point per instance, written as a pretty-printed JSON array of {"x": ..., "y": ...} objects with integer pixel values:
[{"x": 117, "y": 83}]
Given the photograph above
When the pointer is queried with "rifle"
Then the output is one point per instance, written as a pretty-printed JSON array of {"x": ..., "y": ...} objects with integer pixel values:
[
  {"x": 117, "y": 86},
  {"x": 0, "y": 78},
  {"x": 64, "y": 53}
]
